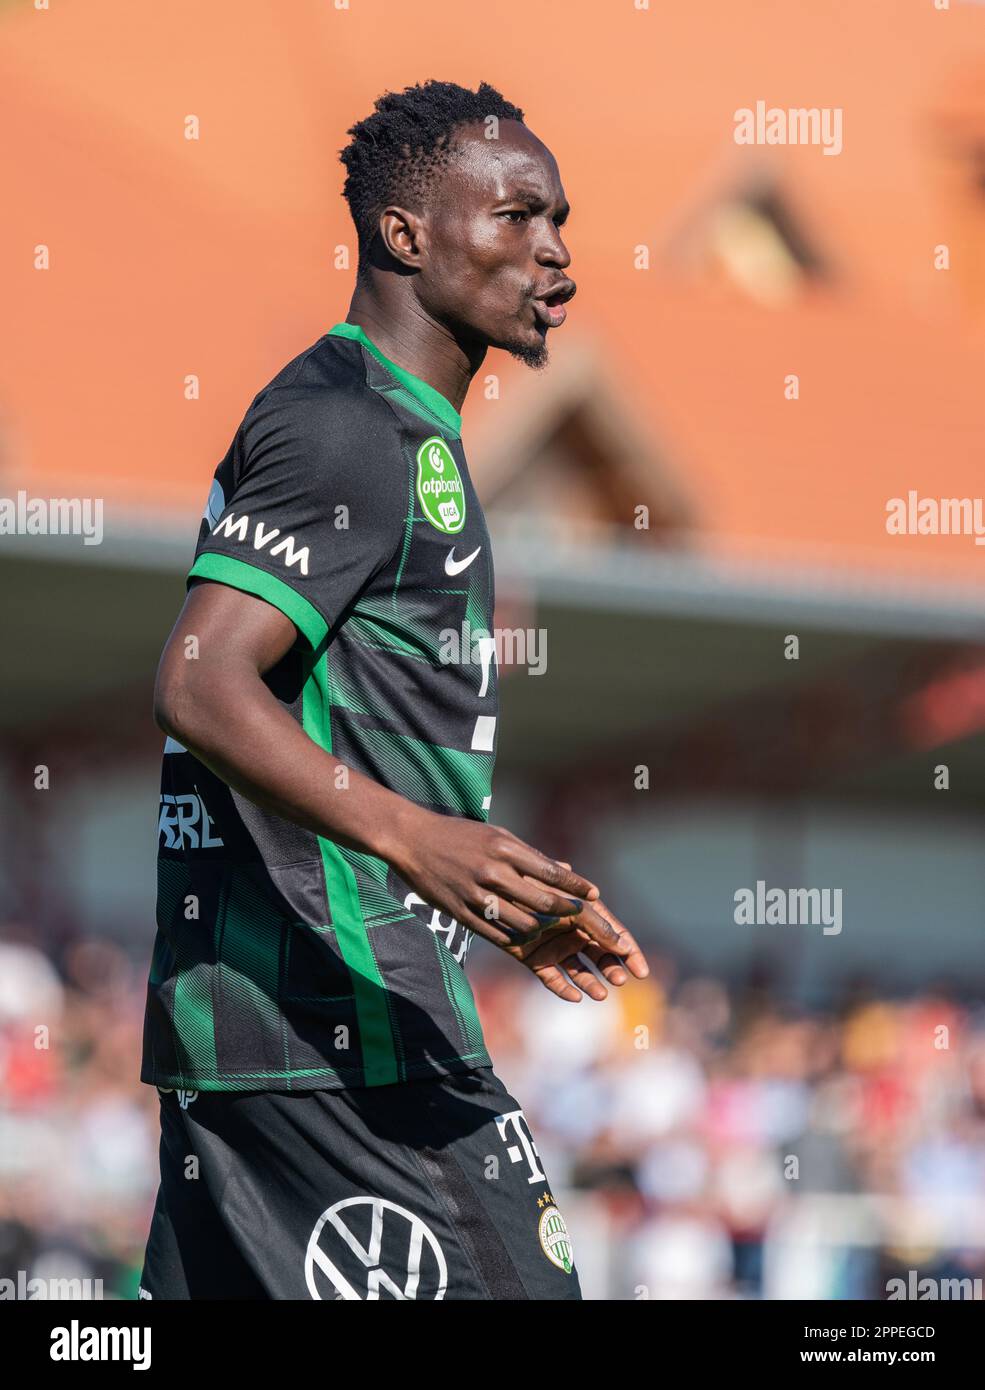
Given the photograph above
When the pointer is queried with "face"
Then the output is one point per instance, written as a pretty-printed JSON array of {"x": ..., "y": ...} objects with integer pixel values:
[{"x": 492, "y": 261}]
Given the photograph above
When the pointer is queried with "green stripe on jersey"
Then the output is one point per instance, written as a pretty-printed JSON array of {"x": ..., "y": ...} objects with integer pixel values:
[
  {"x": 372, "y": 1005},
  {"x": 238, "y": 574},
  {"x": 429, "y": 774},
  {"x": 193, "y": 1019},
  {"x": 419, "y": 390}
]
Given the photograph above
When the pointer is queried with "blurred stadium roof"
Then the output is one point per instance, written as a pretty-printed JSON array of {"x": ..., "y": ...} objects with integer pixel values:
[
  {"x": 673, "y": 658},
  {"x": 219, "y": 258}
]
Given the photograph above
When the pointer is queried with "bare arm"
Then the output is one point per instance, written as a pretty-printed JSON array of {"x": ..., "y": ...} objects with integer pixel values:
[{"x": 219, "y": 708}]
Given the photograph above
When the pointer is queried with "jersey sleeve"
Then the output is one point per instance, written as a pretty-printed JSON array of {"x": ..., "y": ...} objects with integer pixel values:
[{"x": 317, "y": 505}]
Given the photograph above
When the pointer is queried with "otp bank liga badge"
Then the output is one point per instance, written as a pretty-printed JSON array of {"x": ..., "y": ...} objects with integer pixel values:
[
  {"x": 554, "y": 1239},
  {"x": 439, "y": 486}
]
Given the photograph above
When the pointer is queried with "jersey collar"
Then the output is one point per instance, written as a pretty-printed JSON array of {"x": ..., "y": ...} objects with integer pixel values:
[{"x": 425, "y": 393}]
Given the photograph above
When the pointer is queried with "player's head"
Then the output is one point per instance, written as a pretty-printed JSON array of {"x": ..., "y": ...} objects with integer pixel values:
[{"x": 449, "y": 188}]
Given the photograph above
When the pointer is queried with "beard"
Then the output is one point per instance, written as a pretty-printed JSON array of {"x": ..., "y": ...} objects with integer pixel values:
[{"x": 534, "y": 357}]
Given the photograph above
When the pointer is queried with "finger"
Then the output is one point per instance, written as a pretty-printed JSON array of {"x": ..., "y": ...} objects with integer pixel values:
[
  {"x": 607, "y": 965},
  {"x": 527, "y": 860},
  {"x": 489, "y": 930},
  {"x": 509, "y": 928},
  {"x": 512, "y": 918},
  {"x": 557, "y": 982},
  {"x": 586, "y": 979},
  {"x": 542, "y": 900},
  {"x": 636, "y": 962},
  {"x": 555, "y": 947},
  {"x": 566, "y": 865},
  {"x": 595, "y": 927},
  {"x": 567, "y": 951},
  {"x": 633, "y": 958}
]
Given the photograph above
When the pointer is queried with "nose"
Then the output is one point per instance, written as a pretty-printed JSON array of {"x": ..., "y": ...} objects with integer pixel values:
[{"x": 551, "y": 249}]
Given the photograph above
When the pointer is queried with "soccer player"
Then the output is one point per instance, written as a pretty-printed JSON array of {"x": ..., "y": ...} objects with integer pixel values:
[{"x": 331, "y": 1124}]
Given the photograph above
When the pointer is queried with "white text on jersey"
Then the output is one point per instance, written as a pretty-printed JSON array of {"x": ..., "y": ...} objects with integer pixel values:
[
  {"x": 184, "y": 820},
  {"x": 239, "y": 529}
]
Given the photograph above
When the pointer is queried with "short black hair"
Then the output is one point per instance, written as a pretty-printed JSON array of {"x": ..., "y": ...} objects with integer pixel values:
[{"x": 394, "y": 153}]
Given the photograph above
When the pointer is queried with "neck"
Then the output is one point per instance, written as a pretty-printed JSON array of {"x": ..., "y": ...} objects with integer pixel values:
[{"x": 405, "y": 333}]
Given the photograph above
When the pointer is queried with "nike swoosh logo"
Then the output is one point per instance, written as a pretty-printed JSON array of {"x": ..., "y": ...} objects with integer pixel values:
[{"x": 453, "y": 566}]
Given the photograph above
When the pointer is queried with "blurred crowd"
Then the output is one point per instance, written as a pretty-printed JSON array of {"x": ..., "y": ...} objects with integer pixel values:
[
  {"x": 78, "y": 1132},
  {"x": 717, "y": 1145},
  {"x": 702, "y": 1141}
]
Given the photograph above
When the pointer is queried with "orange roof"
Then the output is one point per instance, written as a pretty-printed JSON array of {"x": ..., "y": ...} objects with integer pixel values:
[{"x": 215, "y": 257}]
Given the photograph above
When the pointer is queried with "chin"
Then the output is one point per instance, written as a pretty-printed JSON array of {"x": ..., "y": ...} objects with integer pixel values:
[{"x": 533, "y": 355}]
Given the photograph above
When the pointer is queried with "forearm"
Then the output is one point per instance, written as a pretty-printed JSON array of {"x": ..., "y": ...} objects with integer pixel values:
[
  {"x": 211, "y": 697},
  {"x": 252, "y": 742}
]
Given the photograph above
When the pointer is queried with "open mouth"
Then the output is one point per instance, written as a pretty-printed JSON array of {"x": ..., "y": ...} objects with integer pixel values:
[{"x": 550, "y": 309}]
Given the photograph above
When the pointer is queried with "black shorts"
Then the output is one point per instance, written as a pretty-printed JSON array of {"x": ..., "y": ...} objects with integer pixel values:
[{"x": 431, "y": 1189}]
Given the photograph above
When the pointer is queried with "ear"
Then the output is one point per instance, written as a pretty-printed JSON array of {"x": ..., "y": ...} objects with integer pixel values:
[{"x": 403, "y": 235}]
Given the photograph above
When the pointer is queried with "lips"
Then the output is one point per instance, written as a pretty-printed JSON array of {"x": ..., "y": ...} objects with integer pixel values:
[
  {"x": 550, "y": 315},
  {"x": 549, "y": 306}
]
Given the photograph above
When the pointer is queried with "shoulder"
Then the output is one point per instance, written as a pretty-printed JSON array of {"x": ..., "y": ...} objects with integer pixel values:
[
  {"x": 321, "y": 403},
  {"x": 318, "y": 436}
]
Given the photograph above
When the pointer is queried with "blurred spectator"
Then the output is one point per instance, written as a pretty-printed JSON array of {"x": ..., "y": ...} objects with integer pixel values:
[{"x": 708, "y": 1144}]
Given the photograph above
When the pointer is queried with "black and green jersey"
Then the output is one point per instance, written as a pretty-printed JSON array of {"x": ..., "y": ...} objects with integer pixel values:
[{"x": 284, "y": 961}]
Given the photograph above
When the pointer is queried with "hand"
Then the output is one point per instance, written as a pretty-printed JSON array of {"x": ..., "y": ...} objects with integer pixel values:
[
  {"x": 555, "y": 961},
  {"x": 500, "y": 887}
]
